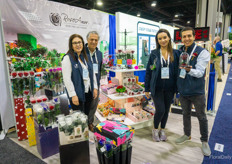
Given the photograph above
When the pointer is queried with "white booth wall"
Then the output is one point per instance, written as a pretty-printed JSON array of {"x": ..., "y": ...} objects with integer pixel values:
[
  {"x": 130, "y": 23},
  {"x": 52, "y": 24}
]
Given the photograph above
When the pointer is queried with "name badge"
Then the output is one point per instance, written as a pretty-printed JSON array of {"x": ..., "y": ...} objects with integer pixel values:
[
  {"x": 85, "y": 74},
  {"x": 76, "y": 66},
  {"x": 165, "y": 73},
  {"x": 182, "y": 73},
  {"x": 95, "y": 68}
]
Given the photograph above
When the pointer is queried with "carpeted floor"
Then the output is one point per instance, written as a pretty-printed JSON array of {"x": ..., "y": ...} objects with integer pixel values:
[
  {"x": 11, "y": 153},
  {"x": 222, "y": 128}
]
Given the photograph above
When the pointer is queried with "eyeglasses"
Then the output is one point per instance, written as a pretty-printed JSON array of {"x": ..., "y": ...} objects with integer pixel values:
[{"x": 76, "y": 43}]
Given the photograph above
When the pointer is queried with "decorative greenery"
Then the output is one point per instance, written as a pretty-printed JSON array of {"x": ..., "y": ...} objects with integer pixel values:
[
  {"x": 20, "y": 52},
  {"x": 54, "y": 57},
  {"x": 24, "y": 44},
  {"x": 31, "y": 64},
  {"x": 105, "y": 63},
  {"x": 128, "y": 54},
  {"x": 213, "y": 56},
  {"x": 120, "y": 89},
  {"x": 38, "y": 52},
  {"x": 225, "y": 49}
]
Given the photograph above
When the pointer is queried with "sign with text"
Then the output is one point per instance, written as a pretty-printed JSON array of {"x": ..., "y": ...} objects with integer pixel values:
[
  {"x": 201, "y": 34},
  {"x": 147, "y": 29}
]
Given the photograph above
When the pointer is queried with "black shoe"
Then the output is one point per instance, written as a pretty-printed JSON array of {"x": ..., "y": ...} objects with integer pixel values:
[{"x": 219, "y": 80}]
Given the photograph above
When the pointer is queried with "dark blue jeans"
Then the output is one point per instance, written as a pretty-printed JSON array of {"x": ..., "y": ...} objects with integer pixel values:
[
  {"x": 199, "y": 103},
  {"x": 162, "y": 101}
]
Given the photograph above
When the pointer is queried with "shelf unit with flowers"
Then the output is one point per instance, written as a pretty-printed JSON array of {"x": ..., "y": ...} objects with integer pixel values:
[{"x": 131, "y": 99}]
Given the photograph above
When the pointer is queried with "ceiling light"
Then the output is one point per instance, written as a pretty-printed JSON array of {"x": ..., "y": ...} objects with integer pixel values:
[
  {"x": 176, "y": 16},
  {"x": 153, "y": 4},
  {"x": 138, "y": 15},
  {"x": 99, "y": 3},
  {"x": 188, "y": 22}
]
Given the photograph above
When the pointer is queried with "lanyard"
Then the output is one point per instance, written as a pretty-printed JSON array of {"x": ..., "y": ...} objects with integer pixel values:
[
  {"x": 192, "y": 52},
  {"x": 84, "y": 65},
  {"x": 162, "y": 59},
  {"x": 91, "y": 57}
]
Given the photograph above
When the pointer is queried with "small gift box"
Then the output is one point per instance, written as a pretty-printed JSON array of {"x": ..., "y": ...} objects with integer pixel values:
[{"x": 115, "y": 131}]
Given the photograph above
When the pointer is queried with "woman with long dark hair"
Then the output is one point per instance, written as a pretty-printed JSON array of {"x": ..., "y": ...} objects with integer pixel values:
[
  {"x": 78, "y": 75},
  {"x": 160, "y": 80}
]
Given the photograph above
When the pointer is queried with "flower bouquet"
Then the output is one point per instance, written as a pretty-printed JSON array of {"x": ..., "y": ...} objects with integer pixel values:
[
  {"x": 120, "y": 89},
  {"x": 213, "y": 56}
]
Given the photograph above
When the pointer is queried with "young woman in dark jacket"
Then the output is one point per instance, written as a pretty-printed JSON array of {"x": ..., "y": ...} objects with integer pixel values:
[{"x": 160, "y": 80}]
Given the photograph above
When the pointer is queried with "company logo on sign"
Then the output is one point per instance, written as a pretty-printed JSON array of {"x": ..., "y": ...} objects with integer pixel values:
[{"x": 55, "y": 19}]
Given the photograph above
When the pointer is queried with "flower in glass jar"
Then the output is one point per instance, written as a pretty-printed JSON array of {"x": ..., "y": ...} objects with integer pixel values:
[{"x": 184, "y": 56}]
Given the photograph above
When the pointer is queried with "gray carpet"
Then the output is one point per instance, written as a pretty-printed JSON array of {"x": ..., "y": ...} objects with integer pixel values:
[{"x": 11, "y": 153}]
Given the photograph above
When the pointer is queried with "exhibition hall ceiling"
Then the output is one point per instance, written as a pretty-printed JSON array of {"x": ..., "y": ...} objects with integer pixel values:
[{"x": 172, "y": 12}]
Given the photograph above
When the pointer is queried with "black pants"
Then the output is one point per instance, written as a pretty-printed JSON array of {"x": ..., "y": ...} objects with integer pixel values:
[
  {"x": 199, "y": 103},
  {"x": 83, "y": 106},
  {"x": 162, "y": 101}
]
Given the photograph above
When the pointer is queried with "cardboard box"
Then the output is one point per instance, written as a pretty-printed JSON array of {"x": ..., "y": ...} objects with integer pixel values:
[
  {"x": 115, "y": 131},
  {"x": 20, "y": 119},
  {"x": 30, "y": 127},
  {"x": 135, "y": 112},
  {"x": 78, "y": 136}
]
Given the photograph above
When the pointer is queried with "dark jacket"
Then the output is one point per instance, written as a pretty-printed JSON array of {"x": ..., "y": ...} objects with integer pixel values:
[
  {"x": 151, "y": 75},
  {"x": 77, "y": 77},
  {"x": 99, "y": 58},
  {"x": 191, "y": 86}
]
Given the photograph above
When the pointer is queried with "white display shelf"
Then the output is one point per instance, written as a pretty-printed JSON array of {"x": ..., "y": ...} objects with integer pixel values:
[
  {"x": 135, "y": 125},
  {"x": 126, "y": 70},
  {"x": 116, "y": 97},
  {"x": 11, "y": 57}
]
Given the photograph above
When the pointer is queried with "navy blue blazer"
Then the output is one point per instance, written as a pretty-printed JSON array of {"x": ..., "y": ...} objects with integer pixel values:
[
  {"x": 151, "y": 75},
  {"x": 77, "y": 77}
]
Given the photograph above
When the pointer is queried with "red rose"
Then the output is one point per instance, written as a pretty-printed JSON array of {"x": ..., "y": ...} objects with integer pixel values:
[
  {"x": 195, "y": 54},
  {"x": 184, "y": 57}
]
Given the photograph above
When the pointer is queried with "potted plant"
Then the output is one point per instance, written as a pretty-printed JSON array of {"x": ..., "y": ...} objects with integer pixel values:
[{"x": 120, "y": 90}]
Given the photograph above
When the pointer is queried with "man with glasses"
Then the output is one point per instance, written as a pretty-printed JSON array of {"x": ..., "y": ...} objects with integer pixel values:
[{"x": 95, "y": 57}]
